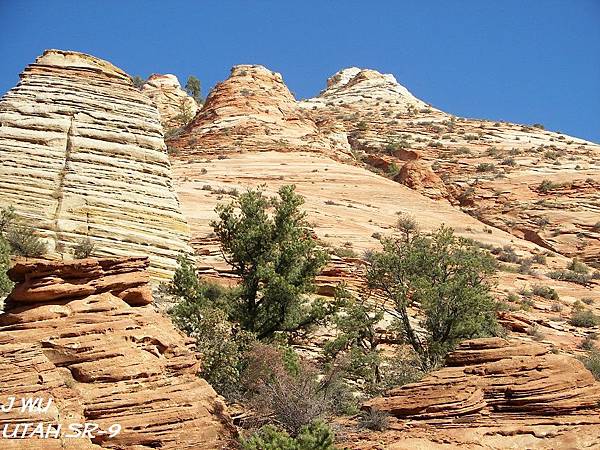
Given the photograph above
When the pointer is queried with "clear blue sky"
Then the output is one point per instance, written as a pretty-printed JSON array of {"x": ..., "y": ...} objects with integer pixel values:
[{"x": 525, "y": 61}]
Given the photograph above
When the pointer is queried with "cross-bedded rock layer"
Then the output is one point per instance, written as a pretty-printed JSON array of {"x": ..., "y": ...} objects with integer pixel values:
[
  {"x": 254, "y": 110},
  {"x": 102, "y": 360},
  {"x": 82, "y": 155},
  {"x": 494, "y": 394}
]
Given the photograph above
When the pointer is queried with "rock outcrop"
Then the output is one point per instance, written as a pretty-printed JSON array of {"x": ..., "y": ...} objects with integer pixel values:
[
  {"x": 495, "y": 377},
  {"x": 253, "y": 110},
  {"x": 173, "y": 103},
  {"x": 82, "y": 155},
  {"x": 419, "y": 176},
  {"x": 102, "y": 361},
  {"x": 494, "y": 394}
]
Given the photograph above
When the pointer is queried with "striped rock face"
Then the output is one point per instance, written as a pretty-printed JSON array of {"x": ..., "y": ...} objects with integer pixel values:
[{"x": 82, "y": 155}]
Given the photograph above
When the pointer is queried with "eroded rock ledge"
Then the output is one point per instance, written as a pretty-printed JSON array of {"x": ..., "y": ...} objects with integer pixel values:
[
  {"x": 70, "y": 332},
  {"x": 494, "y": 376}
]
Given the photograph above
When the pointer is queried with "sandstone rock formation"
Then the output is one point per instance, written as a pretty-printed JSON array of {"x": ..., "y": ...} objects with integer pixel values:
[
  {"x": 364, "y": 88},
  {"x": 72, "y": 333},
  {"x": 495, "y": 394},
  {"x": 172, "y": 101},
  {"x": 82, "y": 155},
  {"x": 494, "y": 376},
  {"x": 254, "y": 109},
  {"x": 493, "y": 169}
]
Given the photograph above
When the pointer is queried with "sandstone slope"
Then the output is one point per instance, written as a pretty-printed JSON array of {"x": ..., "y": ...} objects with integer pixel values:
[
  {"x": 353, "y": 203},
  {"x": 171, "y": 101},
  {"x": 72, "y": 332},
  {"x": 82, "y": 154},
  {"x": 493, "y": 170}
]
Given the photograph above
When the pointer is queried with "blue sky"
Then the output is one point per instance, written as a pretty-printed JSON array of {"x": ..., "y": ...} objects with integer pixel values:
[{"x": 525, "y": 61}]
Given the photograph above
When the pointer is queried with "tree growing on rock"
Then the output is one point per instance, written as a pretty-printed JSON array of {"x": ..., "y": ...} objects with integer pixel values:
[
  {"x": 192, "y": 87},
  {"x": 447, "y": 278},
  {"x": 268, "y": 243},
  {"x": 185, "y": 112}
]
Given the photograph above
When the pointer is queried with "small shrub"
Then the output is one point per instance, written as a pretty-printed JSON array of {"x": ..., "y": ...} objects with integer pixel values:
[
  {"x": 509, "y": 162},
  {"x": 375, "y": 420},
  {"x": 587, "y": 300},
  {"x": 578, "y": 267},
  {"x": 569, "y": 275},
  {"x": 544, "y": 291},
  {"x": 344, "y": 252},
  {"x": 535, "y": 332},
  {"x": 525, "y": 266},
  {"x": 84, "y": 248},
  {"x": 589, "y": 342},
  {"x": 547, "y": 186},
  {"x": 285, "y": 387},
  {"x": 137, "y": 81},
  {"x": 556, "y": 307},
  {"x": 24, "y": 241},
  {"x": 592, "y": 363},
  {"x": 506, "y": 254},
  {"x": 584, "y": 318},
  {"x": 512, "y": 297},
  {"x": 486, "y": 167},
  {"x": 316, "y": 436}
]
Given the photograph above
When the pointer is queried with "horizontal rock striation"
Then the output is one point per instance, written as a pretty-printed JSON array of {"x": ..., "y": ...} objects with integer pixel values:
[
  {"x": 104, "y": 361},
  {"x": 82, "y": 155},
  {"x": 493, "y": 376},
  {"x": 172, "y": 101}
]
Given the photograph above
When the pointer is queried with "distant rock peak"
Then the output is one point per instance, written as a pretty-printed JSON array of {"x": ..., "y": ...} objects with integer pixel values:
[{"x": 355, "y": 85}]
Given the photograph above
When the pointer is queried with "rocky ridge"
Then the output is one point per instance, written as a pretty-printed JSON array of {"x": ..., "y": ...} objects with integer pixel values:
[
  {"x": 73, "y": 332},
  {"x": 172, "y": 101},
  {"x": 82, "y": 155}
]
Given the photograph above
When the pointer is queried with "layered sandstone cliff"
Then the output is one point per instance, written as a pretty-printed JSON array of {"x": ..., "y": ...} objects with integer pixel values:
[
  {"x": 254, "y": 110},
  {"x": 73, "y": 332},
  {"x": 82, "y": 155},
  {"x": 173, "y": 103}
]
